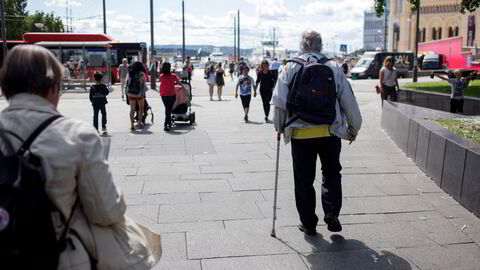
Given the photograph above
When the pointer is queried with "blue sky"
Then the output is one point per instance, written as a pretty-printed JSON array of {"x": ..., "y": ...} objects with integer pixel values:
[{"x": 211, "y": 21}]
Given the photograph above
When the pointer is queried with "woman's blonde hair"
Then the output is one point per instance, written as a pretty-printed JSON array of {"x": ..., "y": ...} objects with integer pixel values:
[
  {"x": 30, "y": 69},
  {"x": 385, "y": 61}
]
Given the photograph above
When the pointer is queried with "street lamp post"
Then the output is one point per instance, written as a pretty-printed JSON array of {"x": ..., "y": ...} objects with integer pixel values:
[
  {"x": 183, "y": 31},
  {"x": 415, "y": 60},
  {"x": 104, "y": 19},
  {"x": 4, "y": 32}
]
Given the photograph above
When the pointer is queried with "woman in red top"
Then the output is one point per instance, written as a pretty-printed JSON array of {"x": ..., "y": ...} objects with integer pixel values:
[{"x": 167, "y": 92}]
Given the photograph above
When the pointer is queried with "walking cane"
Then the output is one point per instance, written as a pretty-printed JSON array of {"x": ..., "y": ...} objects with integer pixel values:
[{"x": 276, "y": 187}]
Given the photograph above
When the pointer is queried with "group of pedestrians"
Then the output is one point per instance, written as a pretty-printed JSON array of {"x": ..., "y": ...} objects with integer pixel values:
[{"x": 215, "y": 76}]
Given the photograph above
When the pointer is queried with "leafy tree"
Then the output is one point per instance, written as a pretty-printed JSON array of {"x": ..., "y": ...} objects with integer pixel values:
[
  {"x": 465, "y": 5},
  {"x": 43, "y": 22},
  {"x": 18, "y": 21},
  {"x": 15, "y": 12}
]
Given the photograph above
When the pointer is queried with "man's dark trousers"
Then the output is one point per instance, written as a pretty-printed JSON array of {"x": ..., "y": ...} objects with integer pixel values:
[{"x": 304, "y": 154}]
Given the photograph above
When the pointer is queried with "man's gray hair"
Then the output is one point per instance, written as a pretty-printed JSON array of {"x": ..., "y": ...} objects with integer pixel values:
[{"x": 311, "y": 41}]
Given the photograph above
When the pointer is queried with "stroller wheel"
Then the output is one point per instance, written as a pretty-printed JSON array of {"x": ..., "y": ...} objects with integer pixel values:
[{"x": 192, "y": 118}]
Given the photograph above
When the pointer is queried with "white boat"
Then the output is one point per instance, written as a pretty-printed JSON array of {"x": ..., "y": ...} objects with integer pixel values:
[
  {"x": 217, "y": 56},
  {"x": 268, "y": 51}
]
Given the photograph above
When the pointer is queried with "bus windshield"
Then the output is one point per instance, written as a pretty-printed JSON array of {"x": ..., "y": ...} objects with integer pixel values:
[{"x": 364, "y": 62}]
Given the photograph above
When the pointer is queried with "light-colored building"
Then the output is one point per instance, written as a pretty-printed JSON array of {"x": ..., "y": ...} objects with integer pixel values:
[{"x": 439, "y": 19}]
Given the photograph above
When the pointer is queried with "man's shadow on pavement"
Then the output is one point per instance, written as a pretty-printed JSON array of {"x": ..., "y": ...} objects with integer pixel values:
[{"x": 348, "y": 254}]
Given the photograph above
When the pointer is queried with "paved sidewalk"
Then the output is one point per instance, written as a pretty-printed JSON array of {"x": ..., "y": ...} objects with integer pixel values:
[{"x": 209, "y": 190}]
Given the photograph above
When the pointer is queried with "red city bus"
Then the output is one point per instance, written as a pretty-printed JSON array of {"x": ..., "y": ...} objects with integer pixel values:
[{"x": 86, "y": 54}]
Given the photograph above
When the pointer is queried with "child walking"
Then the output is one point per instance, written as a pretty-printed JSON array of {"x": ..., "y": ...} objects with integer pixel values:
[
  {"x": 245, "y": 83},
  {"x": 459, "y": 85},
  {"x": 98, "y": 97}
]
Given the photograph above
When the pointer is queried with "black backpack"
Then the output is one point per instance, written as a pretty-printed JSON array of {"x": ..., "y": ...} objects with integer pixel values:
[
  {"x": 27, "y": 234},
  {"x": 312, "y": 93},
  {"x": 133, "y": 86}
]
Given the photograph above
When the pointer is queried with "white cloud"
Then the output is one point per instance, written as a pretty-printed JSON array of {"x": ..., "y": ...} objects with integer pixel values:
[
  {"x": 271, "y": 9},
  {"x": 62, "y": 3},
  {"x": 344, "y": 27},
  {"x": 338, "y": 9}
]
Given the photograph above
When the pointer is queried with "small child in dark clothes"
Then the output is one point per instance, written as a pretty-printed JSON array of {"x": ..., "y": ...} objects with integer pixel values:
[{"x": 98, "y": 97}]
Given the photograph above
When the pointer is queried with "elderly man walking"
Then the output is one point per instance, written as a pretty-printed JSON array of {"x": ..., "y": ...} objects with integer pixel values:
[{"x": 315, "y": 108}]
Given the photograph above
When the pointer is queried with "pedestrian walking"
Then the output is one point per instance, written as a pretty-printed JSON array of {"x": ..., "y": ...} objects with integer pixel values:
[
  {"x": 136, "y": 91},
  {"x": 208, "y": 64},
  {"x": 241, "y": 64},
  {"x": 458, "y": 85},
  {"x": 231, "y": 69},
  {"x": 219, "y": 80},
  {"x": 211, "y": 80},
  {"x": 275, "y": 66},
  {"x": 388, "y": 80},
  {"x": 266, "y": 79},
  {"x": 98, "y": 98},
  {"x": 245, "y": 83},
  {"x": 189, "y": 69},
  {"x": 314, "y": 109},
  {"x": 122, "y": 74},
  {"x": 167, "y": 92},
  {"x": 68, "y": 211}
]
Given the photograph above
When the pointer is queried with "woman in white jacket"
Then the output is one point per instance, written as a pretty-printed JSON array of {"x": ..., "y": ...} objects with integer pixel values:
[{"x": 73, "y": 159}]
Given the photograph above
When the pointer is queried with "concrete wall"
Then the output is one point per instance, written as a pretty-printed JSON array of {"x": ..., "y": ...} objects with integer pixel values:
[
  {"x": 436, "y": 101},
  {"x": 451, "y": 161}
]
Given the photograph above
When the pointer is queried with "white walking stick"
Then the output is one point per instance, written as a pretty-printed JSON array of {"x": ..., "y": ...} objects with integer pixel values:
[{"x": 276, "y": 186}]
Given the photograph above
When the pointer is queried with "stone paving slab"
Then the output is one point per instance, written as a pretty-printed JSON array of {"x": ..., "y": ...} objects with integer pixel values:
[
  {"x": 463, "y": 256},
  {"x": 369, "y": 259},
  {"x": 277, "y": 262},
  {"x": 203, "y": 245},
  {"x": 208, "y": 211}
]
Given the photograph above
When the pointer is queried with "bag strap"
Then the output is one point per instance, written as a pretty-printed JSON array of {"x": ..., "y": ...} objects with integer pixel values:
[
  {"x": 34, "y": 135},
  {"x": 63, "y": 237}
]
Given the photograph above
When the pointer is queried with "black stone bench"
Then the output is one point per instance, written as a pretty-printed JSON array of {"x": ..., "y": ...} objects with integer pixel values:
[{"x": 450, "y": 160}]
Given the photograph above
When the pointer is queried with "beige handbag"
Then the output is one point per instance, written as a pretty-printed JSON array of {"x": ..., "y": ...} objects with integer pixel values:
[{"x": 126, "y": 245}]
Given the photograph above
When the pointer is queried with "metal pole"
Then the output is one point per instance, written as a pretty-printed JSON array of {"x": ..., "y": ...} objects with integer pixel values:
[
  {"x": 415, "y": 68},
  {"x": 104, "y": 19},
  {"x": 66, "y": 14},
  {"x": 238, "y": 34},
  {"x": 234, "y": 39},
  {"x": 273, "y": 52},
  {"x": 152, "y": 42},
  {"x": 273, "y": 234},
  {"x": 153, "y": 66},
  {"x": 4, "y": 31},
  {"x": 183, "y": 29}
]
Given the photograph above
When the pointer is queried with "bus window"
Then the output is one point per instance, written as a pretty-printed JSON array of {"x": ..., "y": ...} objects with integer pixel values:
[{"x": 97, "y": 57}]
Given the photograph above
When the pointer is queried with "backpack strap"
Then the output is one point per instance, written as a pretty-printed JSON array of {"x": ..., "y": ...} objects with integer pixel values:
[
  {"x": 34, "y": 135},
  {"x": 324, "y": 60}
]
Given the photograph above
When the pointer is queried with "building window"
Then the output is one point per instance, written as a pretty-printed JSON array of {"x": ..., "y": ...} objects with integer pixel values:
[
  {"x": 439, "y": 33},
  {"x": 456, "y": 31},
  {"x": 423, "y": 34},
  {"x": 434, "y": 33},
  {"x": 450, "y": 32}
]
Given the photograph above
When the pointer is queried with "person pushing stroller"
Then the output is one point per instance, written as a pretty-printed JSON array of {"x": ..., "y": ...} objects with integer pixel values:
[{"x": 167, "y": 92}]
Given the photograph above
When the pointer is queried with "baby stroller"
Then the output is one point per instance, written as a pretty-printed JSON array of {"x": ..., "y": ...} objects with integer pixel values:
[
  {"x": 182, "y": 109},
  {"x": 146, "y": 110}
]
